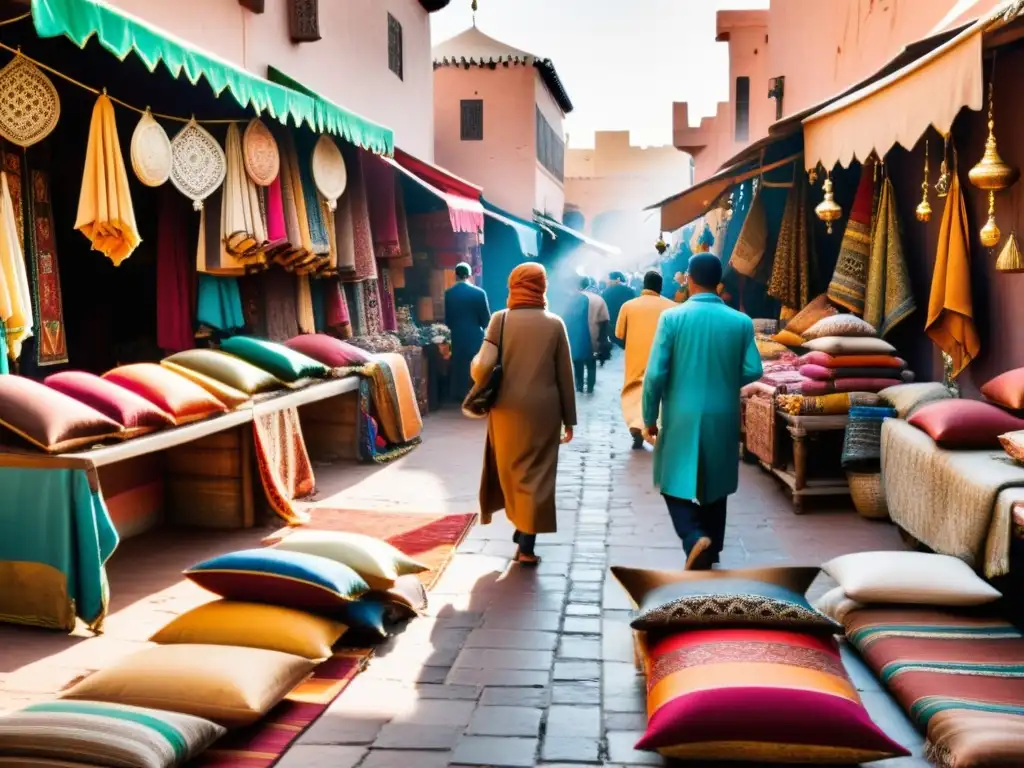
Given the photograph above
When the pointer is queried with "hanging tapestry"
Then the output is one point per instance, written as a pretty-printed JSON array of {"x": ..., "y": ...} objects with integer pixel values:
[
  {"x": 371, "y": 307},
  {"x": 175, "y": 284},
  {"x": 379, "y": 178},
  {"x": 889, "y": 299},
  {"x": 310, "y": 195},
  {"x": 791, "y": 269},
  {"x": 365, "y": 265},
  {"x": 850, "y": 279},
  {"x": 389, "y": 322}
]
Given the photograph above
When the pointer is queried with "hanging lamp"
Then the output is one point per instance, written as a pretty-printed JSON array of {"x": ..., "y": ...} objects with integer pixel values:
[
  {"x": 924, "y": 208},
  {"x": 828, "y": 210}
]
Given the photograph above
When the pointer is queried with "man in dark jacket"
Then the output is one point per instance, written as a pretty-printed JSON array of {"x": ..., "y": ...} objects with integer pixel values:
[
  {"x": 615, "y": 295},
  {"x": 467, "y": 314}
]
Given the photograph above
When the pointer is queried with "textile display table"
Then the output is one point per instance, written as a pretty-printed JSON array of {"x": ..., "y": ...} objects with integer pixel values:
[{"x": 803, "y": 431}]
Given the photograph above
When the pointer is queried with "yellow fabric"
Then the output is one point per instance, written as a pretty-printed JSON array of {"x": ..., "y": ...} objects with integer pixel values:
[
  {"x": 410, "y": 422},
  {"x": 950, "y": 322},
  {"x": 241, "y": 218},
  {"x": 638, "y": 320},
  {"x": 35, "y": 594},
  {"x": 229, "y": 396},
  {"x": 788, "y": 338},
  {"x": 304, "y": 305},
  {"x": 105, "y": 213},
  {"x": 254, "y": 625},
  {"x": 15, "y": 298},
  {"x": 379, "y": 563},
  {"x": 228, "y": 685}
]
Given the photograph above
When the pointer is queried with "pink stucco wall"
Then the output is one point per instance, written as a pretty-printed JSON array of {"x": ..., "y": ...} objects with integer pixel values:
[{"x": 349, "y": 64}]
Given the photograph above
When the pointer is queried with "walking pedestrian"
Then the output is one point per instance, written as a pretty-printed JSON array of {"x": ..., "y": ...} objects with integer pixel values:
[
  {"x": 703, "y": 354},
  {"x": 615, "y": 295},
  {"x": 638, "y": 321},
  {"x": 599, "y": 321},
  {"x": 466, "y": 313},
  {"x": 582, "y": 342},
  {"x": 535, "y": 410}
]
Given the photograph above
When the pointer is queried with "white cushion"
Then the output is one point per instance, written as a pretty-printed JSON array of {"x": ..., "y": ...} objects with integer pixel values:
[
  {"x": 850, "y": 345},
  {"x": 836, "y": 605},
  {"x": 910, "y": 578}
]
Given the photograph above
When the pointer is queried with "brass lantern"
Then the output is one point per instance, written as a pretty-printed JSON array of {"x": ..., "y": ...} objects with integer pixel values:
[
  {"x": 992, "y": 174},
  {"x": 661, "y": 246},
  {"x": 828, "y": 210}
]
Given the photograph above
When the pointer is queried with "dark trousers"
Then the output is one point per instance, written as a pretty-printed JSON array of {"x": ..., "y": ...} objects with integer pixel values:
[
  {"x": 590, "y": 366},
  {"x": 693, "y": 521},
  {"x": 526, "y": 542}
]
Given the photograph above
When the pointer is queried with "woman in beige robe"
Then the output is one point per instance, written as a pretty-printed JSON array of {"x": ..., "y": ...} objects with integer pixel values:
[{"x": 536, "y": 400}]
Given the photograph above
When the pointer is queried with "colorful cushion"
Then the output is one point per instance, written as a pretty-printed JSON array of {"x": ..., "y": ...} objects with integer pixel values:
[
  {"x": 254, "y": 625},
  {"x": 1013, "y": 444},
  {"x": 814, "y": 358},
  {"x": 184, "y": 400},
  {"x": 231, "y": 686},
  {"x": 50, "y": 419},
  {"x": 332, "y": 352},
  {"x": 850, "y": 345},
  {"x": 788, "y": 338},
  {"x": 768, "y": 349},
  {"x": 277, "y": 359},
  {"x": 136, "y": 414},
  {"x": 292, "y": 579},
  {"x": 818, "y": 309},
  {"x": 840, "y": 325},
  {"x": 909, "y": 578},
  {"x": 375, "y": 560},
  {"x": 731, "y": 601},
  {"x": 836, "y": 605},
  {"x": 757, "y": 695},
  {"x": 1006, "y": 389},
  {"x": 231, "y": 370},
  {"x": 100, "y": 733},
  {"x": 231, "y": 398},
  {"x": 367, "y": 617},
  {"x": 907, "y": 398},
  {"x": 964, "y": 424},
  {"x": 958, "y": 737},
  {"x": 867, "y": 361},
  {"x": 639, "y": 582},
  {"x": 823, "y": 373},
  {"x": 406, "y": 598}
]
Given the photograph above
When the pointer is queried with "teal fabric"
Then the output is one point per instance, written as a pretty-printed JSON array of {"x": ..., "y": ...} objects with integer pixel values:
[
  {"x": 52, "y": 516},
  {"x": 527, "y": 232},
  {"x": 277, "y": 359},
  {"x": 219, "y": 303},
  {"x": 5, "y": 366},
  {"x": 148, "y": 718},
  {"x": 703, "y": 354},
  {"x": 79, "y": 20}
]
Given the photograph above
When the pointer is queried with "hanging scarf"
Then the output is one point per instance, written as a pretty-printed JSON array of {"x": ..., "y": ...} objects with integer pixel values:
[
  {"x": 336, "y": 316},
  {"x": 304, "y": 304},
  {"x": 276, "y": 230},
  {"x": 105, "y": 213},
  {"x": 357, "y": 312},
  {"x": 320, "y": 244},
  {"x": 362, "y": 238},
  {"x": 331, "y": 268},
  {"x": 848, "y": 287},
  {"x": 174, "y": 282},
  {"x": 219, "y": 304},
  {"x": 389, "y": 322},
  {"x": 790, "y": 281},
  {"x": 889, "y": 298},
  {"x": 950, "y": 322},
  {"x": 371, "y": 307},
  {"x": 344, "y": 233},
  {"x": 241, "y": 221},
  {"x": 752, "y": 239},
  {"x": 44, "y": 273},
  {"x": 528, "y": 286},
  {"x": 15, "y": 299},
  {"x": 379, "y": 178},
  {"x": 212, "y": 255}
]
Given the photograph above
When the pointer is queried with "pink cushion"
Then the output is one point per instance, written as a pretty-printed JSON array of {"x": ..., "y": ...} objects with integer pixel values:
[
  {"x": 816, "y": 372},
  {"x": 128, "y": 409},
  {"x": 328, "y": 350},
  {"x": 50, "y": 419},
  {"x": 1006, "y": 389},
  {"x": 184, "y": 400},
  {"x": 959, "y": 423},
  {"x": 815, "y": 358}
]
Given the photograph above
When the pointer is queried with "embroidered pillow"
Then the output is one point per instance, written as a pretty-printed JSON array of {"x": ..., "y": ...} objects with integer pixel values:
[
  {"x": 639, "y": 582},
  {"x": 757, "y": 696},
  {"x": 136, "y": 414},
  {"x": 850, "y": 345},
  {"x": 768, "y": 349},
  {"x": 332, "y": 352},
  {"x": 956, "y": 423},
  {"x": 184, "y": 400},
  {"x": 729, "y": 601},
  {"x": 375, "y": 560},
  {"x": 1013, "y": 444},
  {"x": 231, "y": 370},
  {"x": 1006, "y": 389},
  {"x": 50, "y": 419},
  {"x": 277, "y": 359},
  {"x": 840, "y": 325},
  {"x": 907, "y": 398},
  {"x": 818, "y": 309}
]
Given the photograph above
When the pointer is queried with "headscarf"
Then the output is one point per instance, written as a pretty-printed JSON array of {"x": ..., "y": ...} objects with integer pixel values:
[{"x": 527, "y": 287}]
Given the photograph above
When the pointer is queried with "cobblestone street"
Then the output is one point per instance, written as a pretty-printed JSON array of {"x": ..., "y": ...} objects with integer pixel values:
[{"x": 516, "y": 667}]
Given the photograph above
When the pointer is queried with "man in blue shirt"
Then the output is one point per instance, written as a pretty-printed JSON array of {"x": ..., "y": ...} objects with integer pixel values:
[{"x": 466, "y": 313}]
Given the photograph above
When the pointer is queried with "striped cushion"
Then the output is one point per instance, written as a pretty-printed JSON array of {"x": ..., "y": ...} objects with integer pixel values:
[
  {"x": 96, "y": 733},
  {"x": 759, "y": 695}
]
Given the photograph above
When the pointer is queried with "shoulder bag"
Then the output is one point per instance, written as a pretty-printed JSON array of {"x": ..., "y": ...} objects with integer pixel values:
[{"x": 481, "y": 399}]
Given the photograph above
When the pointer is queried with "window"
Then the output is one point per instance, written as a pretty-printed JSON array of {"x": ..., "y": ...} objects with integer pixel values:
[
  {"x": 550, "y": 147},
  {"x": 395, "y": 52},
  {"x": 742, "y": 108},
  {"x": 472, "y": 119}
]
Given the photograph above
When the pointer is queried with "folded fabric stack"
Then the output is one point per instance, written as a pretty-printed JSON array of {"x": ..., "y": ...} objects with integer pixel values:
[
  {"x": 225, "y": 664},
  {"x": 927, "y": 626},
  {"x": 836, "y": 404},
  {"x": 738, "y": 664}
]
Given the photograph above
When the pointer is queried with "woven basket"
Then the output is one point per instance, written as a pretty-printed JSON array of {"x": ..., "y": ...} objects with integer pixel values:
[{"x": 868, "y": 495}]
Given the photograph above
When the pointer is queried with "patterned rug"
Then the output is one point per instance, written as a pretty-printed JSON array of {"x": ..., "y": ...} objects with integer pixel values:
[{"x": 429, "y": 538}]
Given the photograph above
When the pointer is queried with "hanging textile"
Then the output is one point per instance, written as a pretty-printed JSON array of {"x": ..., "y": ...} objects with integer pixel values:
[
  {"x": 364, "y": 263},
  {"x": 849, "y": 284},
  {"x": 950, "y": 322},
  {"x": 357, "y": 307},
  {"x": 379, "y": 178},
  {"x": 304, "y": 304},
  {"x": 174, "y": 280},
  {"x": 44, "y": 275},
  {"x": 399, "y": 264},
  {"x": 219, "y": 304},
  {"x": 105, "y": 213},
  {"x": 283, "y": 461},
  {"x": 311, "y": 197},
  {"x": 296, "y": 217},
  {"x": 5, "y": 366},
  {"x": 331, "y": 268},
  {"x": 790, "y": 280},
  {"x": 336, "y": 315},
  {"x": 752, "y": 239},
  {"x": 277, "y": 233},
  {"x": 389, "y": 322},
  {"x": 740, "y": 210},
  {"x": 15, "y": 299},
  {"x": 371, "y": 307},
  {"x": 242, "y": 225},
  {"x": 316, "y": 290},
  {"x": 889, "y": 298},
  {"x": 344, "y": 234}
]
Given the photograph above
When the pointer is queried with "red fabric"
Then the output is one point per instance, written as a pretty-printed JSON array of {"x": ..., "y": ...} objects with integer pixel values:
[
  {"x": 175, "y": 294},
  {"x": 860, "y": 211},
  {"x": 1006, "y": 389},
  {"x": 465, "y": 210},
  {"x": 956, "y": 423},
  {"x": 128, "y": 409},
  {"x": 332, "y": 352},
  {"x": 276, "y": 229},
  {"x": 380, "y": 196},
  {"x": 336, "y": 310}
]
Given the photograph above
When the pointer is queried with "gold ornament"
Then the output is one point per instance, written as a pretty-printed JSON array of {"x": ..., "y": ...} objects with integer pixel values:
[
  {"x": 990, "y": 234},
  {"x": 828, "y": 210},
  {"x": 924, "y": 208},
  {"x": 991, "y": 173},
  {"x": 661, "y": 246},
  {"x": 473, "y": 6},
  {"x": 812, "y": 176},
  {"x": 942, "y": 184},
  {"x": 1009, "y": 258}
]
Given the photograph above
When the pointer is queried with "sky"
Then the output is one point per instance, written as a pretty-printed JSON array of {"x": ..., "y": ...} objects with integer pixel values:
[{"x": 623, "y": 62}]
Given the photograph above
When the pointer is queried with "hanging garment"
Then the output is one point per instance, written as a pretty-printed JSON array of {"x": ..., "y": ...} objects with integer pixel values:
[
  {"x": 752, "y": 239},
  {"x": 357, "y": 307},
  {"x": 284, "y": 466},
  {"x": 365, "y": 265},
  {"x": 105, "y": 213},
  {"x": 175, "y": 287},
  {"x": 304, "y": 303},
  {"x": 242, "y": 224},
  {"x": 311, "y": 197},
  {"x": 389, "y": 322},
  {"x": 379, "y": 178},
  {"x": 950, "y": 323},
  {"x": 344, "y": 235},
  {"x": 44, "y": 274},
  {"x": 849, "y": 284},
  {"x": 276, "y": 230},
  {"x": 889, "y": 298},
  {"x": 219, "y": 304},
  {"x": 791, "y": 270},
  {"x": 336, "y": 315},
  {"x": 15, "y": 299}
]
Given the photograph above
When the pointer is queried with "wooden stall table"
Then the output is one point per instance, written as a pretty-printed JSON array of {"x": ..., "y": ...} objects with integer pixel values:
[{"x": 803, "y": 431}]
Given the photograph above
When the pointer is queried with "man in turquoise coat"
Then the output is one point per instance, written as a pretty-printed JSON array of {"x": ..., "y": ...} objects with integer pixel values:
[
  {"x": 703, "y": 354},
  {"x": 467, "y": 314}
]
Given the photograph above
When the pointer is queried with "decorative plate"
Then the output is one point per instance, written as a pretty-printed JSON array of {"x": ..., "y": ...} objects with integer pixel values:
[
  {"x": 29, "y": 104},
  {"x": 198, "y": 164},
  {"x": 260, "y": 154},
  {"x": 151, "y": 152},
  {"x": 329, "y": 172}
]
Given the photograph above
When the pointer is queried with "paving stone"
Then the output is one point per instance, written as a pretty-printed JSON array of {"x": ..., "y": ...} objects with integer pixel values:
[
  {"x": 497, "y": 752},
  {"x": 449, "y": 692},
  {"x": 516, "y": 697},
  {"x": 577, "y": 670},
  {"x": 581, "y": 609},
  {"x": 581, "y": 647},
  {"x": 624, "y": 689},
  {"x": 578, "y": 692},
  {"x": 498, "y": 677},
  {"x": 579, "y": 625},
  {"x": 528, "y": 621},
  {"x": 400, "y": 758},
  {"x": 316, "y": 756},
  {"x": 625, "y": 721},
  {"x": 621, "y": 752},
  {"x": 512, "y": 638},
  {"x": 483, "y": 658},
  {"x": 582, "y": 722},
  {"x": 570, "y": 750},
  {"x": 439, "y": 712},
  {"x": 341, "y": 729},
  {"x": 417, "y": 737},
  {"x": 506, "y": 721}
]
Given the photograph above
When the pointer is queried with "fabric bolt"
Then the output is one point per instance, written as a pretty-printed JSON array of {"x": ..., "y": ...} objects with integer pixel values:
[
  {"x": 304, "y": 305},
  {"x": 635, "y": 327},
  {"x": 862, "y": 441},
  {"x": 389, "y": 321},
  {"x": 394, "y": 398},
  {"x": 242, "y": 224},
  {"x": 866, "y": 361},
  {"x": 283, "y": 461},
  {"x": 791, "y": 271},
  {"x": 371, "y": 307},
  {"x": 849, "y": 284},
  {"x": 889, "y": 298},
  {"x": 105, "y": 213},
  {"x": 819, "y": 373},
  {"x": 379, "y": 178},
  {"x": 336, "y": 315},
  {"x": 354, "y": 297},
  {"x": 44, "y": 271},
  {"x": 15, "y": 297},
  {"x": 175, "y": 284},
  {"x": 835, "y": 404},
  {"x": 363, "y": 259},
  {"x": 219, "y": 303}
]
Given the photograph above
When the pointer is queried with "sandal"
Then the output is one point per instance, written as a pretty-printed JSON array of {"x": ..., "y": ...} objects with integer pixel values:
[{"x": 531, "y": 561}]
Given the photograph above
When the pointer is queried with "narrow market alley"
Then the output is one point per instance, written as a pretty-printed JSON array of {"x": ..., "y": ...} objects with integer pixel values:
[{"x": 515, "y": 667}]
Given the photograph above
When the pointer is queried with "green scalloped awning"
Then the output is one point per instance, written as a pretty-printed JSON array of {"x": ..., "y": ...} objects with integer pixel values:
[{"x": 121, "y": 34}]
